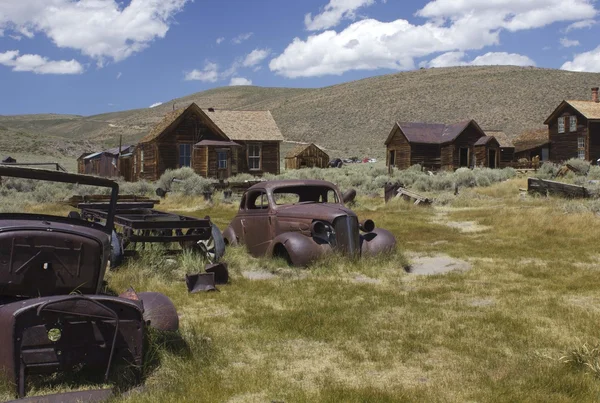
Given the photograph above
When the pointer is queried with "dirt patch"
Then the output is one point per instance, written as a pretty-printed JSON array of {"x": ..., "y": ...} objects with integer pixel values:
[
  {"x": 482, "y": 302},
  {"x": 467, "y": 226},
  {"x": 258, "y": 275},
  {"x": 438, "y": 264},
  {"x": 365, "y": 280}
]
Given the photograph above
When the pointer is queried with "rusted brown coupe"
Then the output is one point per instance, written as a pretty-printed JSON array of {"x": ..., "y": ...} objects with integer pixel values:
[{"x": 301, "y": 220}]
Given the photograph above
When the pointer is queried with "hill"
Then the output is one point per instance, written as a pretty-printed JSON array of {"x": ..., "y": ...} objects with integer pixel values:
[{"x": 350, "y": 118}]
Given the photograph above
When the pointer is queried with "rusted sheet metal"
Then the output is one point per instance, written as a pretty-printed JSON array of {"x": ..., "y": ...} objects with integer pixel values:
[
  {"x": 200, "y": 282},
  {"x": 301, "y": 220},
  {"x": 159, "y": 311},
  {"x": 220, "y": 271},
  {"x": 349, "y": 196},
  {"x": 92, "y": 395},
  {"x": 59, "y": 333}
]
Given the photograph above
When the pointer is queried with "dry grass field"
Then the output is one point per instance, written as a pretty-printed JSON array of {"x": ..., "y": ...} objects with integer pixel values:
[
  {"x": 518, "y": 323},
  {"x": 349, "y": 119}
]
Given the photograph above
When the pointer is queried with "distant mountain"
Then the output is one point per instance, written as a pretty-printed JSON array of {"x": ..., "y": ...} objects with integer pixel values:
[{"x": 350, "y": 118}]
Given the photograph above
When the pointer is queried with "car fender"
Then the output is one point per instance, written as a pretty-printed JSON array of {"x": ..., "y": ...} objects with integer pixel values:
[
  {"x": 301, "y": 249},
  {"x": 230, "y": 236},
  {"x": 377, "y": 241}
]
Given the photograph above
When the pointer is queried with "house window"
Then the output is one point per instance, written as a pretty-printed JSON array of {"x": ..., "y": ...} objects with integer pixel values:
[
  {"x": 561, "y": 124},
  {"x": 572, "y": 123},
  {"x": 185, "y": 155},
  {"x": 222, "y": 159},
  {"x": 581, "y": 148},
  {"x": 254, "y": 157},
  {"x": 142, "y": 161}
]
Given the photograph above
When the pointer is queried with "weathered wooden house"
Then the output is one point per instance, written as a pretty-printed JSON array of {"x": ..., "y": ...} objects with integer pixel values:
[
  {"x": 438, "y": 146},
  {"x": 109, "y": 163},
  {"x": 8, "y": 160},
  {"x": 574, "y": 130},
  {"x": 533, "y": 143},
  {"x": 306, "y": 156},
  {"x": 507, "y": 148},
  {"x": 215, "y": 143}
]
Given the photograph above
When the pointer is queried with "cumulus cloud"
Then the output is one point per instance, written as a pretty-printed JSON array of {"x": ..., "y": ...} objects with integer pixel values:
[
  {"x": 220, "y": 39},
  {"x": 567, "y": 43},
  {"x": 210, "y": 73},
  {"x": 38, "y": 64},
  {"x": 587, "y": 61},
  {"x": 256, "y": 56},
  {"x": 154, "y": 105},
  {"x": 242, "y": 38},
  {"x": 450, "y": 26},
  {"x": 333, "y": 13},
  {"x": 489, "y": 59},
  {"x": 101, "y": 29},
  {"x": 240, "y": 81},
  {"x": 580, "y": 25}
]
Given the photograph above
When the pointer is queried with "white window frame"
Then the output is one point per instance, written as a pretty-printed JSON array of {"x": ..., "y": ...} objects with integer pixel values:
[
  {"x": 141, "y": 161},
  {"x": 581, "y": 154},
  {"x": 561, "y": 124},
  {"x": 581, "y": 147},
  {"x": 224, "y": 152},
  {"x": 572, "y": 123},
  {"x": 184, "y": 156},
  {"x": 135, "y": 164},
  {"x": 254, "y": 156}
]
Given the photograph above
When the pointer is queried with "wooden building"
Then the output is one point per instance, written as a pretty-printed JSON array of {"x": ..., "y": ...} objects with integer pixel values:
[
  {"x": 306, "y": 156},
  {"x": 435, "y": 146},
  {"x": 533, "y": 143},
  {"x": 486, "y": 152},
  {"x": 507, "y": 148},
  {"x": 574, "y": 130},
  {"x": 215, "y": 143},
  {"x": 109, "y": 163}
]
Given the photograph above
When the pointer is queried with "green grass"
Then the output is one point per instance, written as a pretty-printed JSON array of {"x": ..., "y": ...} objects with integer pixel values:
[{"x": 322, "y": 334}]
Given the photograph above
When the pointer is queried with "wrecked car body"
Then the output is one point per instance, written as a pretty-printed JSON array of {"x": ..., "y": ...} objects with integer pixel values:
[{"x": 302, "y": 220}]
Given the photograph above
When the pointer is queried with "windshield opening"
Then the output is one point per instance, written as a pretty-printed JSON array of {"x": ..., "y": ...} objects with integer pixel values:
[{"x": 305, "y": 194}]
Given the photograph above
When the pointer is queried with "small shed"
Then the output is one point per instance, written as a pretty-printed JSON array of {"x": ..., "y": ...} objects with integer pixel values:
[
  {"x": 507, "y": 148},
  {"x": 8, "y": 160},
  {"x": 531, "y": 143},
  {"x": 306, "y": 156},
  {"x": 107, "y": 163},
  {"x": 487, "y": 152}
]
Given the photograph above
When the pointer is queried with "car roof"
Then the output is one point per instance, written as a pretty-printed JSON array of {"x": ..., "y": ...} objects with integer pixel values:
[{"x": 271, "y": 185}]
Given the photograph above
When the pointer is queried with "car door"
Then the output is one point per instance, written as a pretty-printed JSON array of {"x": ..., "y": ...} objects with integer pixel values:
[{"x": 256, "y": 223}]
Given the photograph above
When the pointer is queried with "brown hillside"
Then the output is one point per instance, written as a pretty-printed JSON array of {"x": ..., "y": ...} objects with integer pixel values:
[{"x": 355, "y": 117}]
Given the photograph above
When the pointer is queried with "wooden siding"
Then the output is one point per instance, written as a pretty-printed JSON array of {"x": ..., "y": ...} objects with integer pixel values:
[
  {"x": 507, "y": 157},
  {"x": 482, "y": 154},
  {"x": 269, "y": 158},
  {"x": 426, "y": 155},
  {"x": 402, "y": 148},
  {"x": 200, "y": 161},
  {"x": 563, "y": 146},
  {"x": 447, "y": 156},
  {"x": 465, "y": 140},
  {"x": 594, "y": 141},
  {"x": 311, "y": 157}
]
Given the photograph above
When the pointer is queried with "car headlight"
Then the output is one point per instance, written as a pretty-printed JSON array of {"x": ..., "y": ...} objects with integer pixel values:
[{"x": 322, "y": 230}]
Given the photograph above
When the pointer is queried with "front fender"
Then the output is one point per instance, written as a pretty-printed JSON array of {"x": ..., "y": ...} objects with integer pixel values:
[
  {"x": 377, "y": 241},
  {"x": 301, "y": 249},
  {"x": 230, "y": 236}
]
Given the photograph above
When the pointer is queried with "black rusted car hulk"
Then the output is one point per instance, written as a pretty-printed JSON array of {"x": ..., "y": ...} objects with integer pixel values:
[{"x": 52, "y": 316}]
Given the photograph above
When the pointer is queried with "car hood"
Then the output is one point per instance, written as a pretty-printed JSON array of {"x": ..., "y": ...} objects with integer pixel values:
[{"x": 315, "y": 211}]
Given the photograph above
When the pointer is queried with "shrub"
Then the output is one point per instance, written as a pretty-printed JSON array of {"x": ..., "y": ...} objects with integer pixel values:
[
  {"x": 548, "y": 170},
  {"x": 580, "y": 165}
]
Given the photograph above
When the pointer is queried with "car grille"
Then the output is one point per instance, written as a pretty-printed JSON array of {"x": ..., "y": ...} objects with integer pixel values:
[{"x": 347, "y": 235}]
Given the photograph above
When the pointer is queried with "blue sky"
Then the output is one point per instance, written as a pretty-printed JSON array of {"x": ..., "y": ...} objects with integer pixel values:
[{"x": 93, "y": 56}]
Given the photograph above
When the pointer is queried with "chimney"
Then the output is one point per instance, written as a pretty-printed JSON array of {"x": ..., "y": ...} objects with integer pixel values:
[
  {"x": 213, "y": 109},
  {"x": 595, "y": 94}
]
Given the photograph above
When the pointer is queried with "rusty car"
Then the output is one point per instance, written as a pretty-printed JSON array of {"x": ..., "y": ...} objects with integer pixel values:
[
  {"x": 56, "y": 314},
  {"x": 301, "y": 220}
]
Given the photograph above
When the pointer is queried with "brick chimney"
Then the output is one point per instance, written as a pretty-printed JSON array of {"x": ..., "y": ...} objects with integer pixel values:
[{"x": 595, "y": 94}]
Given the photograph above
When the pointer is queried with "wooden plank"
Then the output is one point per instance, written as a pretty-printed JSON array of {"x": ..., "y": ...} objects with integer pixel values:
[
  {"x": 547, "y": 187},
  {"x": 412, "y": 196}
]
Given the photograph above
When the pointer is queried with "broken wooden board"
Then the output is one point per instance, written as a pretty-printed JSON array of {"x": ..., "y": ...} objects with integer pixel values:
[
  {"x": 547, "y": 187},
  {"x": 412, "y": 196}
]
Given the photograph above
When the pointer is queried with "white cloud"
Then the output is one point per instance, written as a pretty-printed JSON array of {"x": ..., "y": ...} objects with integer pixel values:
[
  {"x": 489, "y": 59},
  {"x": 16, "y": 37},
  {"x": 220, "y": 39},
  {"x": 451, "y": 26},
  {"x": 154, "y": 105},
  {"x": 119, "y": 74},
  {"x": 587, "y": 61},
  {"x": 101, "y": 29},
  {"x": 567, "y": 43},
  {"x": 580, "y": 25},
  {"x": 240, "y": 81},
  {"x": 242, "y": 37},
  {"x": 334, "y": 12},
  {"x": 38, "y": 64},
  {"x": 256, "y": 56},
  {"x": 210, "y": 73}
]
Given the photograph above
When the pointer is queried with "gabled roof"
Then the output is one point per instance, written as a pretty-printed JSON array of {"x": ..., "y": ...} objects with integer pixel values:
[
  {"x": 294, "y": 152},
  {"x": 589, "y": 109},
  {"x": 533, "y": 138},
  {"x": 246, "y": 125},
  {"x": 503, "y": 140},
  {"x": 431, "y": 133},
  {"x": 485, "y": 140},
  {"x": 115, "y": 150}
]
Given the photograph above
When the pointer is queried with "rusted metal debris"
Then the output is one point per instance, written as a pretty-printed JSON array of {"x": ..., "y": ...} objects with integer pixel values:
[
  {"x": 301, "y": 220},
  {"x": 200, "y": 282},
  {"x": 348, "y": 196},
  {"x": 220, "y": 271},
  {"x": 45, "y": 329}
]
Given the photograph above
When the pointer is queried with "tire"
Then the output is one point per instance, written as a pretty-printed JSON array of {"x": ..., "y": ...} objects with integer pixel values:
[
  {"x": 74, "y": 215},
  {"x": 116, "y": 250},
  {"x": 212, "y": 248}
]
